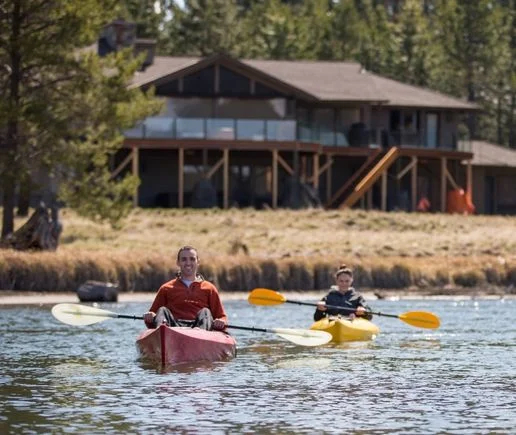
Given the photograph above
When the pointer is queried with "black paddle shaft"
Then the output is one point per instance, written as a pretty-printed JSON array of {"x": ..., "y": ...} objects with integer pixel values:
[
  {"x": 336, "y": 307},
  {"x": 127, "y": 316},
  {"x": 246, "y": 328}
]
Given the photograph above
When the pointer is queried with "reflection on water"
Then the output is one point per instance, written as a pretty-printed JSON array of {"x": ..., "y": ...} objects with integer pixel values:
[{"x": 457, "y": 379}]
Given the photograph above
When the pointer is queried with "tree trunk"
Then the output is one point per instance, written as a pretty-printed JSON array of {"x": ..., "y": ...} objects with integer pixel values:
[
  {"x": 8, "y": 207},
  {"x": 40, "y": 232},
  {"x": 24, "y": 197}
]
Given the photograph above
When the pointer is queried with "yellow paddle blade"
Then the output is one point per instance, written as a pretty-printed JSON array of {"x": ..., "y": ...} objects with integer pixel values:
[
  {"x": 264, "y": 296},
  {"x": 421, "y": 319}
]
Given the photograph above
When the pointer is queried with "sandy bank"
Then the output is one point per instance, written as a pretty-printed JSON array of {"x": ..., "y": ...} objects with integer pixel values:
[{"x": 45, "y": 298}]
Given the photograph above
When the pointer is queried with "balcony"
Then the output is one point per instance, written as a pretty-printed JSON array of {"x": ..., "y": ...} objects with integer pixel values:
[
  {"x": 214, "y": 128},
  {"x": 262, "y": 130}
]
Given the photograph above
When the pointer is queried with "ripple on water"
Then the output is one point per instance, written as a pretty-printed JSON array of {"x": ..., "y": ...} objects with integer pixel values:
[{"x": 458, "y": 379}]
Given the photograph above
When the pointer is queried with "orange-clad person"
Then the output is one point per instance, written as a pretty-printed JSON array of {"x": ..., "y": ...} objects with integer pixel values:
[{"x": 188, "y": 299}]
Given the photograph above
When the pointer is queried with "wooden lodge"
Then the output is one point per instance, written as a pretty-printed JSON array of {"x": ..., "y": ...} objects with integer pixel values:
[
  {"x": 287, "y": 133},
  {"x": 257, "y": 133}
]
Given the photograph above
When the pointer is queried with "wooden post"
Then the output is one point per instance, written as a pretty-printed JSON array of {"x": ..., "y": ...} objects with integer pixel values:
[
  {"x": 180, "y": 177},
  {"x": 328, "y": 179},
  {"x": 384, "y": 191},
  {"x": 443, "y": 184},
  {"x": 136, "y": 166},
  {"x": 369, "y": 195},
  {"x": 274, "y": 187},
  {"x": 316, "y": 171},
  {"x": 414, "y": 184},
  {"x": 226, "y": 178},
  {"x": 469, "y": 179}
]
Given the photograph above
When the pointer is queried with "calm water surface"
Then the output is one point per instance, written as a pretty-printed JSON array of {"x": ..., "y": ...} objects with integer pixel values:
[{"x": 459, "y": 379}]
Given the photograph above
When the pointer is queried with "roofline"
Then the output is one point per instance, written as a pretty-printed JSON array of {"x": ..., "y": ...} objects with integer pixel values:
[
  {"x": 281, "y": 86},
  {"x": 237, "y": 65}
]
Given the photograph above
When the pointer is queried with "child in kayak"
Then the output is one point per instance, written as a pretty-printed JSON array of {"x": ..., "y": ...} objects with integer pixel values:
[
  {"x": 345, "y": 296},
  {"x": 188, "y": 299}
]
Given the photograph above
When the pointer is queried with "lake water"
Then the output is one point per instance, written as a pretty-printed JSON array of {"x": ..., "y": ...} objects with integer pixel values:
[{"x": 458, "y": 379}]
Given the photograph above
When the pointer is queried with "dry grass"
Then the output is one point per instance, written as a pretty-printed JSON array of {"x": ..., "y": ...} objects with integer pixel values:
[{"x": 290, "y": 248}]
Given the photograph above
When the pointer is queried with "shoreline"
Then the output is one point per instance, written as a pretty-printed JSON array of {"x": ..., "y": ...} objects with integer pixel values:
[{"x": 11, "y": 297}]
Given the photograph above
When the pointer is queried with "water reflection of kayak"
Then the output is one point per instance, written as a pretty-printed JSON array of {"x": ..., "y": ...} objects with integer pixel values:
[
  {"x": 343, "y": 329},
  {"x": 173, "y": 345}
]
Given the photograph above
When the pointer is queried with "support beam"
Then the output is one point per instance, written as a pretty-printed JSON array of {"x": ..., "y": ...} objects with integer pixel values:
[
  {"x": 180, "y": 177},
  {"x": 329, "y": 184},
  {"x": 407, "y": 168},
  {"x": 469, "y": 179},
  {"x": 125, "y": 162},
  {"x": 327, "y": 165},
  {"x": 136, "y": 173},
  {"x": 215, "y": 167},
  {"x": 414, "y": 186},
  {"x": 226, "y": 178},
  {"x": 285, "y": 165},
  {"x": 451, "y": 180},
  {"x": 384, "y": 191},
  {"x": 443, "y": 184},
  {"x": 274, "y": 187},
  {"x": 315, "y": 171}
]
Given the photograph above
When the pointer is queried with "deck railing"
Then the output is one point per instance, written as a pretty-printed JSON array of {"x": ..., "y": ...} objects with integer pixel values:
[{"x": 273, "y": 130}]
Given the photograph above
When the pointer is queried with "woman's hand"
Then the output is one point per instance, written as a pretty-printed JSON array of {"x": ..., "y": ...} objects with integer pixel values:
[
  {"x": 321, "y": 306},
  {"x": 360, "y": 311}
]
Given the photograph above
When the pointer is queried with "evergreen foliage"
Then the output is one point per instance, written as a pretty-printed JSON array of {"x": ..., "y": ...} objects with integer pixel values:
[{"x": 63, "y": 108}]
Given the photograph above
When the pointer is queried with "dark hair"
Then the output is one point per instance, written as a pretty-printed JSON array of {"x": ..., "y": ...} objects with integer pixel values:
[
  {"x": 344, "y": 269},
  {"x": 185, "y": 248}
]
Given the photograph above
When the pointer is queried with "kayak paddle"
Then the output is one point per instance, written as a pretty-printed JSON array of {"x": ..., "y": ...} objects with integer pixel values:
[
  {"x": 419, "y": 319},
  {"x": 79, "y": 315}
]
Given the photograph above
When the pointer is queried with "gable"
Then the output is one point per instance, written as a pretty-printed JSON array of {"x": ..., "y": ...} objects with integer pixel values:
[{"x": 196, "y": 77}]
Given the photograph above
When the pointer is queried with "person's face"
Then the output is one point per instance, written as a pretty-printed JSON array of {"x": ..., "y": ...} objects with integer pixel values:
[
  {"x": 344, "y": 281},
  {"x": 188, "y": 263}
]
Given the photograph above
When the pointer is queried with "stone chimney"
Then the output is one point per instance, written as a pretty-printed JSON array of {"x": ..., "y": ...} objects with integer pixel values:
[
  {"x": 115, "y": 36},
  {"x": 147, "y": 46}
]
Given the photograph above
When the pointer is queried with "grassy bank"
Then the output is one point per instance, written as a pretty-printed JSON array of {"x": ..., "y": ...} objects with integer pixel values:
[{"x": 290, "y": 250}]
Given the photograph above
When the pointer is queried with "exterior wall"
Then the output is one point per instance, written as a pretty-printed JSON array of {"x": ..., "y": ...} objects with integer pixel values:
[
  {"x": 448, "y": 129},
  {"x": 479, "y": 195},
  {"x": 274, "y": 108},
  {"x": 494, "y": 190}
]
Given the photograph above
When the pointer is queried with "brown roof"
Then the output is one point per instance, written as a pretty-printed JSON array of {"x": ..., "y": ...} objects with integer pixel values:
[
  {"x": 330, "y": 81},
  {"x": 162, "y": 67},
  {"x": 488, "y": 154},
  {"x": 320, "y": 80}
]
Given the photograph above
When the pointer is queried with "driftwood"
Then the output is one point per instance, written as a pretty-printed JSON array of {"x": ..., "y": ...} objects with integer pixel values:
[
  {"x": 97, "y": 291},
  {"x": 41, "y": 232}
]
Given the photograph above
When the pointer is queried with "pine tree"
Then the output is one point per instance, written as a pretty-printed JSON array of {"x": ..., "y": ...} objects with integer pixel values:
[
  {"x": 62, "y": 108},
  {"x": 412, "y": 44},
  {"x": 466, "y": 34},
  {"x": 202, "y": 28}
]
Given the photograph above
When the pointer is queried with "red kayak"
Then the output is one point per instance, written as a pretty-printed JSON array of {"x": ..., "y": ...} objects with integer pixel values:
[{"x": 173, "y": 345}]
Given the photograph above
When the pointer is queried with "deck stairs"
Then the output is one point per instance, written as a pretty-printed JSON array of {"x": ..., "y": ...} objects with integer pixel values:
[
  {"x": 347, "y": 188},
  {"x": 366, "y": 176}
]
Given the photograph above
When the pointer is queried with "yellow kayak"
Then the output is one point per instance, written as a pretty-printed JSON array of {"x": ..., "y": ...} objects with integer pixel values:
[{"x": 341, "y": 329}]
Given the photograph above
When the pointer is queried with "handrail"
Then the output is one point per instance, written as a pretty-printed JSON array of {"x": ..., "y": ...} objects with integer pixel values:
[
  {"x": 371, "y": 177},
  {"x": 355, "y": 175}
]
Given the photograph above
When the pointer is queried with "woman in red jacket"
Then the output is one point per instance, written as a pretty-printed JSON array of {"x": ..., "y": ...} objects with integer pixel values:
[{"x": 187, "y": 300}]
